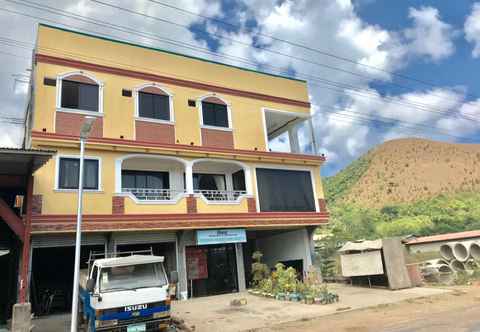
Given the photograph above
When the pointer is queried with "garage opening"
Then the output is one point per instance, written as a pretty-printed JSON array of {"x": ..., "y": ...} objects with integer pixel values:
[
  {"x": 167, "y": 250},
  {"x": 52, "y": 277},
  {"x": 9, "y": 256}
]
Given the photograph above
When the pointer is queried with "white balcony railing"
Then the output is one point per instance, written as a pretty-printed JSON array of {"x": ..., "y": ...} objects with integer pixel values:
[
  {"x": 221, "y": 195},
  {"x": 148, "y": 194}
]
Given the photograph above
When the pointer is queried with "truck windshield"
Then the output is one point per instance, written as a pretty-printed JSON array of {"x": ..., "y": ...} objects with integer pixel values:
[{"x": 132, "y": 277}]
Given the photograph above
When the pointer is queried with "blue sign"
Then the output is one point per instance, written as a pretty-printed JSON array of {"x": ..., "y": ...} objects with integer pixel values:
[{"x": 218, "y": 236}]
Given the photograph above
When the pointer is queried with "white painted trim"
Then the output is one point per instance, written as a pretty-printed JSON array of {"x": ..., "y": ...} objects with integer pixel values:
[
  {"x": 289, "y": 168},
  {"x": 235, "y": 202},
  {"x": 57, "y": 173},
  {"x": 216, "y": 128},
  {"x": 173, "y": 201},
  {"x": 58, "y": 93},
  {"x": 200, "y": 111},
  {"x": 264, "y": 120},
  {"x": 119, "y": 162},
  {"x": 164, "y": 90},
  {"x": 245, "y": 167},
  {"x": 76, "y": 111},
  {"x": 154, "y": 120}
]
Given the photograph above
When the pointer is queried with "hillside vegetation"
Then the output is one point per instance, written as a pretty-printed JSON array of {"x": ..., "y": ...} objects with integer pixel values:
[
  {"x": 407, "y": 186},
  {"x": 406, "y": 171}
]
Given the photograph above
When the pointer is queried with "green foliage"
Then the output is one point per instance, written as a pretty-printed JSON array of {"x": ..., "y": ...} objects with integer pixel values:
[
  {"x": 339, "y": 185},
  {"x": 442, "y": 214},
  {"x": 418, "y": 225},
  {"x": 260, "y": 271}
]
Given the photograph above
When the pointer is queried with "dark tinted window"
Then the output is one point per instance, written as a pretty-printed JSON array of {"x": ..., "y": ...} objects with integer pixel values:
[
  {"x": 215, "y": 114},
  {"x": 238, "y": 179},
  {"x": 285, "y": 190},
  {"x": 69, "y": 173},
  {"x": 153, "y": 106},
  {"x": 208, "y": 181},
  {"x": 145, "y": 179},
  {"x": 82, "y": 96}
]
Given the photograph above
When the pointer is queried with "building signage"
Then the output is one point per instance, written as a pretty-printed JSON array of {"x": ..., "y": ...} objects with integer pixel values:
[
  {"x": 197, "y": 267},
  {"x": 218, "y": 236}
]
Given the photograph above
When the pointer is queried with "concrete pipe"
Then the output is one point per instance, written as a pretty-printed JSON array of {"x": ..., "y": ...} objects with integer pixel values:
[
  {"x": 471, "y": 265},
  {"x": 457, "y": 266},
  {"x": 438, "y": 273},
  {"x": 446, "y": 251},
  {"x": 475, "y": 251},
  {"x": 436, "y": 262},
  {"x": 461, "y": 251}
]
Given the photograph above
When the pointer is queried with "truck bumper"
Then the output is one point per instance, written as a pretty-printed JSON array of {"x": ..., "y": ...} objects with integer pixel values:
[{"x": 150, "y": 325}]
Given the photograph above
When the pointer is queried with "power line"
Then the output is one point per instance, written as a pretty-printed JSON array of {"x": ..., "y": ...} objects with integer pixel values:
[
  {"x": 110, "y": 60},
  {"x": 143, "y": 34},
  {"x": 322, "y": 52},
  {"x": 263, "y": 48}
]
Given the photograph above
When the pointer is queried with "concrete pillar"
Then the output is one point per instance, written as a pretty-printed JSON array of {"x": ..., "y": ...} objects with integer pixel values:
[
  {"x": 182, "y": 265},
  {"x": 240, "y": 267},
  {"x": 293, "y": 138},
  {"x": 21, "y": 317},
  {"x": 189, "y": 178},
  {"x": 25, "y": 259}
]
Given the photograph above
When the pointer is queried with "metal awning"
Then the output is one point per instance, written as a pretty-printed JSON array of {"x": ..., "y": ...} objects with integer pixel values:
[{"x": 19, "y": 161}]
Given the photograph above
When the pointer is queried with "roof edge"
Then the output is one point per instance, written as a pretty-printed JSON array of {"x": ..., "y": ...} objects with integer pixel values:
[{"x": 168, "y": 52}]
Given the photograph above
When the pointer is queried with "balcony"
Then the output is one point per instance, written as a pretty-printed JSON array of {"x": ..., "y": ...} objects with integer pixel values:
[
  {"x": 152, "y": 194},
  {"x": 153, "y": 179},
  {"x": 220, "y": 181},
  {"x": 289, "y": 132}
]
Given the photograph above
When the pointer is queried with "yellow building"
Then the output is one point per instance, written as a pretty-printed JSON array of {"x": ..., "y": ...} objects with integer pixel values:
[{"x": 202, "y": 162}]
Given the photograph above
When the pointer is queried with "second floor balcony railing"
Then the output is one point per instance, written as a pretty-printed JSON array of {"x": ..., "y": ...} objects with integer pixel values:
[
  {"x": 149, "y": 194},
  {"x": 221, "y": 195}
]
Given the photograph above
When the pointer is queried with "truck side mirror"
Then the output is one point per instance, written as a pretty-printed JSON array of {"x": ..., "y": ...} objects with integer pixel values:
[
  {"x": 90, "y": 285},
  {"x": 173, "y": 277}
]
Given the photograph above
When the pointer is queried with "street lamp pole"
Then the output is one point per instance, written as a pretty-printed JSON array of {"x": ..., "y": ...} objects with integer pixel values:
[{"x": 84, "y": 133}]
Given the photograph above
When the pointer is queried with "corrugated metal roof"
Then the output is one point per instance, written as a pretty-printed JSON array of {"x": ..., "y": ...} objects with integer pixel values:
[
  {"x": 444, "y": 237},
  {"x": 20, "y": 161},
  {"x": 361, "y": 245}
]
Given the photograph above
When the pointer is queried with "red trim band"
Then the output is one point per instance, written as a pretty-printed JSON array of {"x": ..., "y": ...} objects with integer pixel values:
[
  {"x": 184, "y": 147},
  {"x": 165, "y": 79}
]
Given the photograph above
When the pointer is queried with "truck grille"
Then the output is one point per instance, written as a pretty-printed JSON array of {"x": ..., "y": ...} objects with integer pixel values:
[{"x": 152, "y": 326}]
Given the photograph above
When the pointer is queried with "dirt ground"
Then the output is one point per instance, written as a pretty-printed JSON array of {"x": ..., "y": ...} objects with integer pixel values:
[{"x": 457, "y": 311}]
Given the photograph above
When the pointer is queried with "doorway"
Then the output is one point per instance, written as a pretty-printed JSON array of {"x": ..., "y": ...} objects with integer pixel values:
[{"x": 221, "y": 270}]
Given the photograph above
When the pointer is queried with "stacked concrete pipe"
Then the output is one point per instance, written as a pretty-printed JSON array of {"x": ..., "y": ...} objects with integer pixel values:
[{"x": 446, "y": 251}]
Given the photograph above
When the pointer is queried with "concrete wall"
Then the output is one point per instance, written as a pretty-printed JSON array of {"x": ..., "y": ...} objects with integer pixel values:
[{"x": 286, "y": 246}]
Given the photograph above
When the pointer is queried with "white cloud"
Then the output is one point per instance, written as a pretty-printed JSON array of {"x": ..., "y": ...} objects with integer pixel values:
[
  {"x": 429, "y": 35},
  {"x": 472, "y": 29}
]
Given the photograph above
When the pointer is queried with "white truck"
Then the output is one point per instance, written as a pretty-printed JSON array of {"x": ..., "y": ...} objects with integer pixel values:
[{"x": 125, "y": 294}]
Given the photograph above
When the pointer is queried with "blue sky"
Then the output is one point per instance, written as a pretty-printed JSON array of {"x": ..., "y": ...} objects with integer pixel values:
[{"x": 357, "y": 108}]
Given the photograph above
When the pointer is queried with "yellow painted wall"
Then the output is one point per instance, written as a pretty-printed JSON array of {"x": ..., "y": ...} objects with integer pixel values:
[
  {"x": 59, "y": 43},
  {"x": 118, "y": 116},
  {"x": 203, "y": 207}
]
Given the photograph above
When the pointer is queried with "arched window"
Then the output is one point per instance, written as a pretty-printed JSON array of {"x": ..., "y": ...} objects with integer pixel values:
[
  {"x": 214, "y": 112},
  {"x": 79, "y": 92},
  {"x": 153, "y": 103}
]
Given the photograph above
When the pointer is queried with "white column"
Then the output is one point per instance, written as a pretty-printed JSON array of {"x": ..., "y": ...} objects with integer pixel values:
[
  {"x": 189, "y": 178},
  {"x": 293, "y": 138},
  {"x": 248, "y": 180}
]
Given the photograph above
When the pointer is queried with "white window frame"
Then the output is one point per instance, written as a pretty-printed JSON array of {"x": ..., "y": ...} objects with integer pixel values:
[
  {"x": 229, "y": 112},
  {"x": 137, "y": 103},
  {"x": 59, "y": 107},
  {"x": 57, "y": 173}
]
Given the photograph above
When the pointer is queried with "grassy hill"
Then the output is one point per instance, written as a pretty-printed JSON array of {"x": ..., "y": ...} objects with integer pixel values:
[
  {"x": 406, "y": 171},
  {"x": 406, "y": 186}
]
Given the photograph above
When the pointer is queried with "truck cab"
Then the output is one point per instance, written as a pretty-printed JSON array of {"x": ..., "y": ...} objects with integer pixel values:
[{"x": 127, "y": 294}]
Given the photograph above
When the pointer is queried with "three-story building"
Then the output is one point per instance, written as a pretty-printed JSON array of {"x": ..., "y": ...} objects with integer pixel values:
[{"x": 201, "y": 161}]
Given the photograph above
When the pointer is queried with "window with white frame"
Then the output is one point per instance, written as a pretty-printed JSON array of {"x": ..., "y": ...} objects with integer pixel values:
[
  {"x": 69, "y": 171},
  {"x": 215, "y": 112},
  {"x": 79, "y": 92},
  {"x": 154, "y": 103}
]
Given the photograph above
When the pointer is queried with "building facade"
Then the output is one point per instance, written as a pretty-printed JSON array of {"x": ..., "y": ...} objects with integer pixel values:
[{"x": 202, "y": 162}]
